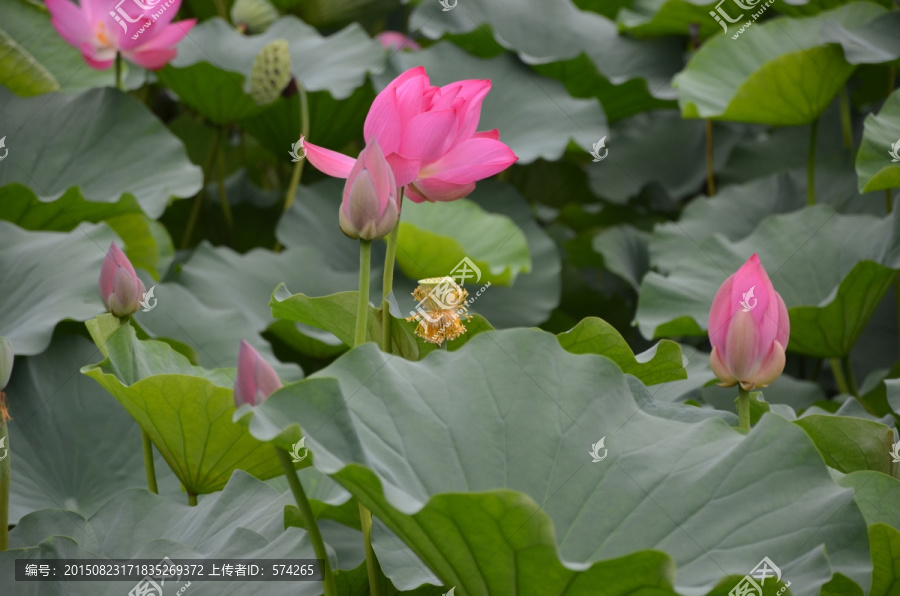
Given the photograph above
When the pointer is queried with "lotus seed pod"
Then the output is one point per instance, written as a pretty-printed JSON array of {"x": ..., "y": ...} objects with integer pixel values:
[
  {"x": 253, "y": 15},
  {"x": 271, "y": 72}
]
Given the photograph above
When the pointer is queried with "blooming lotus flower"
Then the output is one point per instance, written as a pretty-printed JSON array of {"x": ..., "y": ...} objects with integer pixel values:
[
  {"x": 256, "y": 380},
  {"x": 394, "y": 40},
  {"x": 371, "y": 206},
  {"x": 428, "y": 136},
  {"x": 120, "y": 288},
  {"x": 100, "y": 28},
  {"x": 6, "y": 362},
  {"x": 748, "y": 329}
]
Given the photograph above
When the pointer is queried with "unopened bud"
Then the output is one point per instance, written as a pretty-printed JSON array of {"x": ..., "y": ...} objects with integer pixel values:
[{"x": 254, "y": 16}]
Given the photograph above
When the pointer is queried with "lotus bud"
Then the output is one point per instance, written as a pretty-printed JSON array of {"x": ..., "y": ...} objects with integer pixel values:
[
  {"x": 748, "y": 329},
  {"x": 371, "y": 207},
  {"x": 256, "y": 379},
  {"x": 6, "y": 362},
  {"x": 120, "y": 288},
  {"x": 253, "y": 16},
  {"x": 271, "y": 72}
]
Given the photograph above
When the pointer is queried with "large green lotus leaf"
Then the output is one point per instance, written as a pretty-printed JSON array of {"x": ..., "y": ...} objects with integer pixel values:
[
  {"x": 885, "y": 545},
  {"x": 653, "y": 18},
  {"x": 875, "y": 164},
  {"x": 97, "y": 146},
  {"x": 212, "y": 70},
  {"x": 782, "y": 72},
  {"x": 243, "y": 521},
  {"x": 672, "y": 164},
  {"x": 535, "y": 115},
  {"x": 850, "y": 444},
  {"x": 625, "y": 251},
  {"x": 55, "y": 463},
  {"x": 660, "y": 364},
  {"x": 434, "y": 238},
  {"x": 528, "y": 302},
  {"x": 524, "y": 26},
  {"x": 220, "y": 297},
  {"x": 877, "y": 494},
  {"x": 186, "y": 411},
  {"x": 872, "y": 43},
  {"x": 21, "y": 206},
  {"x": 437, "y": 451},
  {"x": 34, "y": 58},
  {"x": 48, "y": 277},
  {"x": 812, "y": 257},
  {"x": 811, "y": 7}
]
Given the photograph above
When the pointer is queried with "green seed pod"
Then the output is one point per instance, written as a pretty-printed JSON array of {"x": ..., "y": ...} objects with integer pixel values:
[
  {"x": 253, "y": 15},
  {"x": 271, "y": 72}
]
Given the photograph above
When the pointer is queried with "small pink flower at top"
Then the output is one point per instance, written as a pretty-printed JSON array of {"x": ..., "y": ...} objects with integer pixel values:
[
  {"x": 428, "y": 135},
  {"x": 256, "y": 379},
  {"x": 748, "y": 329},
  {"x": 120, "y": 288},
  {"x": 100, "y": 28},
  {"x": 394, "y": 40}
]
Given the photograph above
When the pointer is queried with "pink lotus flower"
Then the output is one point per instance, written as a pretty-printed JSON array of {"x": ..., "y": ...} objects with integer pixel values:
[
  {"x": 256, "y": 380},
  {"x": 748, "y": 329},
  {"x": 371, "y": 206},
  {"x": 120, "y": 288},
  {"x": 100, "y": 28},
  {"x": 428, "y": 136},
  {"x": 394, "y": 40}
]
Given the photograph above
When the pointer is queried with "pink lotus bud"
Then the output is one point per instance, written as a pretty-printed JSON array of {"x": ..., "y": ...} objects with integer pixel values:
[
  {"x": 370, "y": 209},
  {"x": 748, "y": 329},
  {"x": 256, "y": 380},
  {"x": 6, "y": 362},
  {"x": 120, "y": 288}
]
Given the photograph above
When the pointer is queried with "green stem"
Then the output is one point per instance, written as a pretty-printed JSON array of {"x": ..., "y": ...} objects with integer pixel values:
[
  {"x": 387, "y": 285},
  {"x": 811, "y": 165},
  {"x": 846, "y": 122},
  {"x": 362, "y": 306},
  {"x": 309, "y": 521},
  {"x": 148, "y": 463},
  {"x": 192, "y": 499},
  {"x": 119, "y": 71},
  {"x": 849, "y": 376},
  {"x": 838, "y": 372},
  {"x": 743, "y": 409},
  {"x": 710, "y": 164},
  {"x": 304, "y": 132},
  {"x": 365, "y": 518},
  {"x": 220, "y": 182},
  {"x": 201, "y": 194},
  {"x": 5, "y": 472}
]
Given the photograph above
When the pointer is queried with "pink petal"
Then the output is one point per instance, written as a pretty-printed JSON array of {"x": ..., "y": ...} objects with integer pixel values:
[
  {"x": 114, "y": 260},
  {"x": 394, "y": 40},
  {"x": 720, "y": 369},
  {"x": 255, "y": 380},
  {"x": 328, "y": 161},
  {"x": 70, "y": 22},
  {"x": 743, "y": 352},
  {"x": 488, "y": 134},
  {"x": 784, "y": 322},
  {"x": 166, "y": 38},
  {"x": 471, "y": 160},
  {"x": 96, "y": 58},
  {"x": 429, "y": 135},
  {"x": 409, "y": 96},
  {"x": 383, "y": 121},
  {"x": 151, "y": 59},
  {"x": 720, "y": 316},
  {"x": 382, "y": 176},
  {"x": 405, "y": 170},
  {"x": 433, "y": 189},
  {"x": 772, "y": 366}
]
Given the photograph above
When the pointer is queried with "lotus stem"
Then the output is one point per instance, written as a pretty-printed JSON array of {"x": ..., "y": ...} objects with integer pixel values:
[
  {"x": 5, "y": 473},
  {"x": 811, "y": 164},
  {"x": 743, "y": 409},
  {"x": 309, "y": 521},
  {"x": 365, "y": 518},
  {"x": 846, "y": 122},
  {"x": 149, "y": 466},
  {"x": 304, "y": 132},
  {"x": 838, "y": 372},
  {"x": 387, "y": 285},
  {"x": 119, "y": 85},
  {"x": 192, "y": 499},
  {"x": 710, "y": 164},
  {"x": 362, "y": 305},
  {"x": 849, "y": 376}
]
